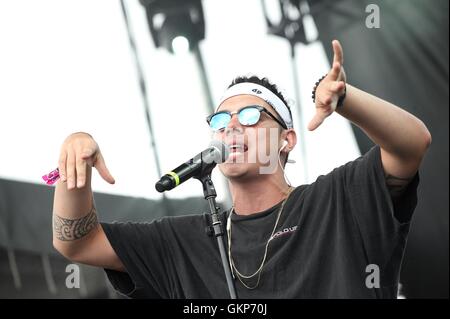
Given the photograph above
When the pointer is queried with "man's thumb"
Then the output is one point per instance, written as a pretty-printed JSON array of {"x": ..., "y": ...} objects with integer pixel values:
[{"x": 315, "y": 122}]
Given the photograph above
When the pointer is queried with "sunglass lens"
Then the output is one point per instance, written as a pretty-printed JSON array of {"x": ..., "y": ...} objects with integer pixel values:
[
  {"x": 249, "y": 116},
  {"x": 219, "y": 121}
]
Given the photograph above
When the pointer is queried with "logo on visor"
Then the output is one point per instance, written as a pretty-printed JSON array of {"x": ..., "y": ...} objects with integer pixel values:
[{"x": 256, "y": 91}]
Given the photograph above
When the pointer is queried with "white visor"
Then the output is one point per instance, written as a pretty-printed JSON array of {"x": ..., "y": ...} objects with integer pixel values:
[{"x": 263, "y": 93}]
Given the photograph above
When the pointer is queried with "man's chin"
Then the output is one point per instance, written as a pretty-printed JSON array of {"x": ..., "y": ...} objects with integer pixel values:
[{"x": 234, "y": 170}]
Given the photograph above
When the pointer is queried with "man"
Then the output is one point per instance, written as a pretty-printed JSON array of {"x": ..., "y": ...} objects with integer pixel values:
[{"x": 342, "y": 236}]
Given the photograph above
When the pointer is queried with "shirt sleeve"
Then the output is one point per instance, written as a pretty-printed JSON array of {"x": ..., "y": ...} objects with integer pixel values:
[
  {"x": 369, "y": 197},
  {"x": 143, "y": 253}
]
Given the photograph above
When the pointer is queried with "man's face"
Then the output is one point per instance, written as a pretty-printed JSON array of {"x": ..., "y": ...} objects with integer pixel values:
[{"x": 253, "y": 149}]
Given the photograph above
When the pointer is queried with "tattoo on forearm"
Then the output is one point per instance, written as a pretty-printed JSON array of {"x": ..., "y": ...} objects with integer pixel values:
[
  {"x": 397, "y": 185},
  {"x": 71, "y": 229}
]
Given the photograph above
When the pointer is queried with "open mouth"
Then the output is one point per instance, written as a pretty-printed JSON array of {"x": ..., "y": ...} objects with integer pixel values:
[{"x": 238, "y": 148}]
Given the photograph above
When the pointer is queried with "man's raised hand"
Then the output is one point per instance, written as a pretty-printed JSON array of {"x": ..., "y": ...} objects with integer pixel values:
[{"x": 329, "y": 89}]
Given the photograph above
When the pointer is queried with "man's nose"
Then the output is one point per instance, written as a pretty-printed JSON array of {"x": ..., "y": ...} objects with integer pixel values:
[
  {"x": 233, "y": 125},
  {"x": 234, "y": 121}
]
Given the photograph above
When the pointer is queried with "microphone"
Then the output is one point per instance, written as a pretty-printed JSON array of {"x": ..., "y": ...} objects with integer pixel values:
[{"x": 216, "y": 153}]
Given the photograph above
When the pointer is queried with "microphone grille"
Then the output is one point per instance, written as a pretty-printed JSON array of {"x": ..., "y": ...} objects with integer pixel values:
[{"x": 221, "y": 151}]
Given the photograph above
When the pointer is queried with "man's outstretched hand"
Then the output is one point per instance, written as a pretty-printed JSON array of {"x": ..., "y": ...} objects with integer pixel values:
[{"x": 330, "y": 88}]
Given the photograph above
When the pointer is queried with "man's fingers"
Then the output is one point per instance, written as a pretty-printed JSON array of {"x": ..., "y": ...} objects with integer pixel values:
[
  {"x": 324, "y": 103},
  {"x": 103, "y": 170},
  {"x": 335, "y": 70},
  {"x": 327, "y": 100},
  {"x": 338, "y": 52},
  {"x": 87, "y": 153},
  {"x": 316, "y": 121},
  {"x": 70, "y": 169},
  {"x": 81, "y": 171},
  {"x": 62, "y": 165},
  {"x": 337, "y": 86}
]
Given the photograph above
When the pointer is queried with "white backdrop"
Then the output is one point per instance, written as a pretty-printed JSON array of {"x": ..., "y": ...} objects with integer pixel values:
[{"x": 66, "y": 66}]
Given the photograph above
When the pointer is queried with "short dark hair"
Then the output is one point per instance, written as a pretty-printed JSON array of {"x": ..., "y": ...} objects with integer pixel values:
[{"x": 264, "y": 82}]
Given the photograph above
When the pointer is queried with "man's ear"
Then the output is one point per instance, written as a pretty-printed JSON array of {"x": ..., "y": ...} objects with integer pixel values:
[{"x": 291, "y": 138}]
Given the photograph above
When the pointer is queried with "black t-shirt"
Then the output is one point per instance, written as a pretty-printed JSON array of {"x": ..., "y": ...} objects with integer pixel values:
[{"x": 328, "y": 234}]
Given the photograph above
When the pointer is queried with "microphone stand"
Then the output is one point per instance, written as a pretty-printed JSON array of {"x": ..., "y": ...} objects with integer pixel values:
[{"x": 210, "y": 194}]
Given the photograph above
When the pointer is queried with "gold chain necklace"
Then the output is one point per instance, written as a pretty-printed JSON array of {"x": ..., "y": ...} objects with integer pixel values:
[{"x": 258, "y": 272}]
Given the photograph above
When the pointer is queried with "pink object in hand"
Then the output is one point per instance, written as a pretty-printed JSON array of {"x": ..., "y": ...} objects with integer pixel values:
[{"x": 51, "y": 177}]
